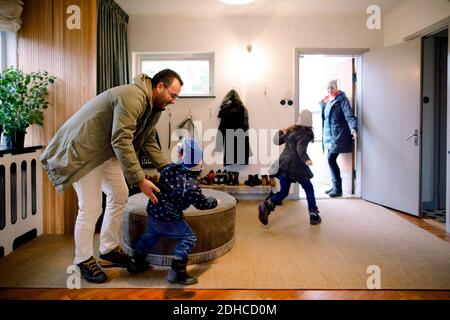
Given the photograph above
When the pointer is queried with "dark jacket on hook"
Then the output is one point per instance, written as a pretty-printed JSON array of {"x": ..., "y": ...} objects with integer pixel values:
[{"x": 234, "y": 123}]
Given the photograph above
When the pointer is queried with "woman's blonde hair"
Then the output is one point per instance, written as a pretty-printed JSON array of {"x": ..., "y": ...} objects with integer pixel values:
[{"x": 333, "y": 83}]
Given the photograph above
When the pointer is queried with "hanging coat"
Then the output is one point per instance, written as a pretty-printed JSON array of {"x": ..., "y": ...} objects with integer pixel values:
[{"x": 233, "y": 140}]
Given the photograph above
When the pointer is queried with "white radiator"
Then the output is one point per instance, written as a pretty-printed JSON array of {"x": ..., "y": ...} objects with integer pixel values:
[{"x": 20, "y": 198}]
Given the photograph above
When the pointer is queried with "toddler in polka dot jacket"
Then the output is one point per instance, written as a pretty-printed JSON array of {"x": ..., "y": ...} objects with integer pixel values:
[
  {"x": 179, "y": 188},
  {"x": 179, "y": 185}
]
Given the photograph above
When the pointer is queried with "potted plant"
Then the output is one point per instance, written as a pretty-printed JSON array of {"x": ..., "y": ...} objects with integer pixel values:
[{"x": 22, "y": 101}]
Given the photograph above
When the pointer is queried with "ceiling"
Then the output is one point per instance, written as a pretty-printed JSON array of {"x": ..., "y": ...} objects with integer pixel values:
[{"x": 289, "y": 8}]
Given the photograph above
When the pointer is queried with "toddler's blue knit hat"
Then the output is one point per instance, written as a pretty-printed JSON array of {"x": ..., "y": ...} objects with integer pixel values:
[{"x": 192, "y": 152}]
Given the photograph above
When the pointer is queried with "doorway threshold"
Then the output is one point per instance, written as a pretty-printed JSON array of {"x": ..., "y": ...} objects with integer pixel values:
[{"x": 324, "y": 196}]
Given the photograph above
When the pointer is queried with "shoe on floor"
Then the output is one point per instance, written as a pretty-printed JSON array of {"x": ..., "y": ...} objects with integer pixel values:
[
  {"x": 90, "y": 271},
  {"x": 337, "y": 189},
  {"x": 115, "y": 258},
  {"x": 178, "y": 273},
  {"x": 314, "y": 217},
  {"x": 329, "y": 190},
  {"x": 138, "y": 264},
  {"x": 263, "y": 214},
  {"x": 335, "y": 193}
]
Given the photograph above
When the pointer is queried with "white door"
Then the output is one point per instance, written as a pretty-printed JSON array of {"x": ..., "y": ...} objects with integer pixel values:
[{"x": 390, "y": 142}]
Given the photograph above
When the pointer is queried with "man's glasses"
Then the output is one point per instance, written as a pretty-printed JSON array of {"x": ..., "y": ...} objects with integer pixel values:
[{"x": 173, "y": 95}]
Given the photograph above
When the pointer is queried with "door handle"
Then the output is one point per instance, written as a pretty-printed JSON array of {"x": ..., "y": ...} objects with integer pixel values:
[{"x": 414, "y": 135}]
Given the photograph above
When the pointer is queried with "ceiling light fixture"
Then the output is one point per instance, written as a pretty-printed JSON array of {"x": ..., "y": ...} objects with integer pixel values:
[{"x": 237, "y": 2}]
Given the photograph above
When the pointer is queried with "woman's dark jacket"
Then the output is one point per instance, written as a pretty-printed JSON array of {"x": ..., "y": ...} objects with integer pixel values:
[
  {"x": 291, "y": 163},
  {"x": 342, "y": 121},
  {"x": 234, "y": 122}
]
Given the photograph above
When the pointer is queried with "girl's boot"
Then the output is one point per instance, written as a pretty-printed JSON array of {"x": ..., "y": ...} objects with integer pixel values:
[{"x": 264, "y": 209}]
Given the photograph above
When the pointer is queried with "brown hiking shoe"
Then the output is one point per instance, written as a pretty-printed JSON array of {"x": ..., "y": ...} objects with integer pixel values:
[
  {"x": 90, "y": 271},
  {"x": 115, "y": 258}
]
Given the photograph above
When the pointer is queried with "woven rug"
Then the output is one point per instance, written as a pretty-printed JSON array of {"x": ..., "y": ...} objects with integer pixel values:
[{"x": 355, "y": 242}]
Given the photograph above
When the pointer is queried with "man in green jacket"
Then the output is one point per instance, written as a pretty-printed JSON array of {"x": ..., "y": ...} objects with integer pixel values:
[{"x": 96, "y": 150}]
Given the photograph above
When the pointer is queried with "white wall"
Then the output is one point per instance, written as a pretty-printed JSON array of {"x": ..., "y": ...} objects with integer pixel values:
[
  {"x": 272, "y": 68},
  {"x": 412, "y": 16}
]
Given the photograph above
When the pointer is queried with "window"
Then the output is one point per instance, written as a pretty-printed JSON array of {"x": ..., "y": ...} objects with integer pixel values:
[
  {"x": 3, "y": 63},
  {"x": 196, "y": 70},
  {"x": 8, "y": 45}
]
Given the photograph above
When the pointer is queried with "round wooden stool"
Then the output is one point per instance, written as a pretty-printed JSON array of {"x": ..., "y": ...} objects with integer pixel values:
[{"x": 213, "y": 228}]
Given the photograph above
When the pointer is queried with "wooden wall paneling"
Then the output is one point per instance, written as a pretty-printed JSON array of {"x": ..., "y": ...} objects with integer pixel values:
[{"x": 45, "y": 42}]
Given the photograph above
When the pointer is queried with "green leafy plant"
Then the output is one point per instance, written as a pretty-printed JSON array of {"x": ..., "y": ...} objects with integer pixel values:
[{"x": 22, "y": 99}]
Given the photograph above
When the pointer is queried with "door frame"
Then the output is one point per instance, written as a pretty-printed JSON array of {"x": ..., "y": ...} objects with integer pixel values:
[
  {"x": 357, "y": 54},
  {"x": 447, "y": 209}
]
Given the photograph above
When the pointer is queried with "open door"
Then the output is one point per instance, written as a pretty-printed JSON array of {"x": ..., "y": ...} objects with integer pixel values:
[{"x": 391, "y": 119}]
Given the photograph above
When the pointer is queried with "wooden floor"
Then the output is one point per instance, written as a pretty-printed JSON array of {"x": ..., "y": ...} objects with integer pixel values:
[{"x": 187, "y": 294}]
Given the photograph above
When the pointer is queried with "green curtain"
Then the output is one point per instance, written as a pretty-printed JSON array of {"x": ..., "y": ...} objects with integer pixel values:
[{"x": 112, "y": 45}]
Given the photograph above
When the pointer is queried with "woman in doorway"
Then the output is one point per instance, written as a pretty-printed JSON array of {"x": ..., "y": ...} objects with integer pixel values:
[{"x": 339, "y": 126}]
